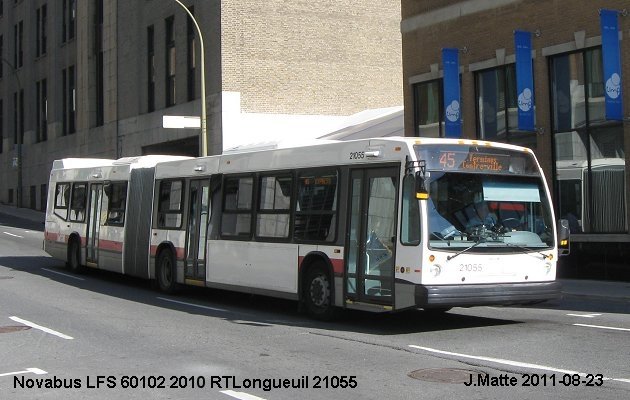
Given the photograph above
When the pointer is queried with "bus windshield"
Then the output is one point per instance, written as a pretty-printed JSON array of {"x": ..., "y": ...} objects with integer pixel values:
[{"x": 504, "y": 209}]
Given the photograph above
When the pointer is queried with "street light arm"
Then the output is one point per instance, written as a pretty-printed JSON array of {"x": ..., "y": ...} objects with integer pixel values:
[{"x": 204, "y": 132}]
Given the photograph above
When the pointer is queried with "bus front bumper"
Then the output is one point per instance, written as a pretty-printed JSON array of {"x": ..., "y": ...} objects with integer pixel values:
[{"x": 438, "y": 296}]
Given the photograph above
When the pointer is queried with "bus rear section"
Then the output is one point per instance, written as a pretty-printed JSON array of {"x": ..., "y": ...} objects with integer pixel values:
[{"x": 99, "y": 213}]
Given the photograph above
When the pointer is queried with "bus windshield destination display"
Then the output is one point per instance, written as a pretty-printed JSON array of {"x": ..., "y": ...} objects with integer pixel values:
[{"x": 476, "y": 160}]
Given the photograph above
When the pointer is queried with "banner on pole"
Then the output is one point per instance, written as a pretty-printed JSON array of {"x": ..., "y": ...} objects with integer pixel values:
[
  {"x": 612, "y": 64},
  {"x": 524, "y": 80},
  {"x": 452, "y": 110}
]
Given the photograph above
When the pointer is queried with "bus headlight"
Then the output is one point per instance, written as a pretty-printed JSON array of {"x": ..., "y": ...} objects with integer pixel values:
[
  {"x": 435, "y": 270},
  {"x": 547, "y": 268}
]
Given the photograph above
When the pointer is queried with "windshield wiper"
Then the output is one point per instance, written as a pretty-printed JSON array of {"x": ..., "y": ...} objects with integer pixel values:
[{"x": 482, "y": 234}]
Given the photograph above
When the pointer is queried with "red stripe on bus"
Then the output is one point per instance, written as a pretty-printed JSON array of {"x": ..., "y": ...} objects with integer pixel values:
[
  {"x": 179, "y": 251},
  {"x": 110, "y": 245}
]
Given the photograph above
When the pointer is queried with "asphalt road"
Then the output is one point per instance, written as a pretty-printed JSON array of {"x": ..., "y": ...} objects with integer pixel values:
[{"x": 100, "y": 335}]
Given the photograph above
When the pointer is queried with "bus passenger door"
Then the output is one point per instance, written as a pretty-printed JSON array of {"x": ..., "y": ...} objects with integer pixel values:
[
  {"x": 371, "y": 238},
  {"x": 196, "y": 229},
  {"x": 94, "y": 224}
]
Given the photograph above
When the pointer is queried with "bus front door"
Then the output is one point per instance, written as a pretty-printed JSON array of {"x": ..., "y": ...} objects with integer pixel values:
[
  {"x": 196, "y": 230},
  {"x": 94, "y": 224},
  {"x": 371, "y": 238}
]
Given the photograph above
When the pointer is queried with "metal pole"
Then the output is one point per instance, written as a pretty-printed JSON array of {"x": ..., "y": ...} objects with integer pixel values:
[
  {"x": 204, "y": 132},
  {"x": 18, "y": 145}
]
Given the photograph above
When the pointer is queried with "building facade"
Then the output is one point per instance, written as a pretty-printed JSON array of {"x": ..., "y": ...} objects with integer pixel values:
[
  {"x": 93, "y": 78},
  {"x": 583, "y": 154}
]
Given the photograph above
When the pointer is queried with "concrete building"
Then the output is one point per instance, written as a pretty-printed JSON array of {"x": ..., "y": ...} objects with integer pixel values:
[
  {"x": 583, "y": 154},
  {"x": 93, "y": 78}
]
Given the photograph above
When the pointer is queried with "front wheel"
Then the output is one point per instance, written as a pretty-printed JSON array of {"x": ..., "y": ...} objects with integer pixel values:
[
  {"x": 318, "y": 293},
  {"x": 166, "y": 272}
]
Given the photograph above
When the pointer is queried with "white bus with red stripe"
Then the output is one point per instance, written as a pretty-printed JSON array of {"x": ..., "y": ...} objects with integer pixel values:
[
  {"x": 376, "y": 224},
  {"x": 99, "y": 213}
]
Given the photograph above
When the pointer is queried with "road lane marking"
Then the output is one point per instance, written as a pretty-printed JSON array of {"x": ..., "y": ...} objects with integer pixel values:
[
  {"x": 61, "y": 273},
  {"x": 604, "y": 327},
  {"x": 36, "y": 371},
  {"x": 10, "y": 234},
  {"x": 41, "y": 328},
  {"x": 241, "y": 395},
  {"x": 193, "y": 305},
  {"x": 500, "y": 361},
  {"x": 584, "y": 315}
]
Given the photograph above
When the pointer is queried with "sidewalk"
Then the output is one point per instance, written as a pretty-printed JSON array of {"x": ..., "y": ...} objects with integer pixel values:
[
  {"x": 604, "y": 290},
  {"x": 23, "y": 213}
]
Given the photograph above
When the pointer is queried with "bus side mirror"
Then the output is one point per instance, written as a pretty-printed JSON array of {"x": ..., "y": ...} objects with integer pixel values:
[
  {"x": 421, "y": 190},
  {"x": 564, "y": 234}
]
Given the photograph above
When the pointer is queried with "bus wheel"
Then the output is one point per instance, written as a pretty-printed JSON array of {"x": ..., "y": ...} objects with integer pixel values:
[
  {"x": 166, "y": 272},
  {"x": 74, "y": 256},
  {"x": 318, "y": 293}
]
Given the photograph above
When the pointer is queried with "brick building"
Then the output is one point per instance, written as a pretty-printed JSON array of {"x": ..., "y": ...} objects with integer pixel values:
[
  {"x": 582, "y": 153},
  {"x": 93, "y": 78}
]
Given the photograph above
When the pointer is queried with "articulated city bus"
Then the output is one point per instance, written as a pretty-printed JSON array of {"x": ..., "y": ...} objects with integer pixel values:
[
  {"x": 375, "y": 224},
  {"x": 99, "y": 213}
]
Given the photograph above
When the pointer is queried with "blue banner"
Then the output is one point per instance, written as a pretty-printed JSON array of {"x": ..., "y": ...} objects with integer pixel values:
[
  {"x": 524, "y": 80},
  {"x": 612, "y": 64},
  {"x": 452, "y": 111}
]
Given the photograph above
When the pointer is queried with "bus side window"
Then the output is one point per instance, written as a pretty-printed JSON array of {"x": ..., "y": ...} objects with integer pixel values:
[
  {"x": 62, "y": 195},
  {"x": 236, "y": 219},
  {"x": 316, "y": 207},
  {"x": 77, "y": 205},
  {"x": 116, "y": 203},
  {"x": 170, "y": 205}
]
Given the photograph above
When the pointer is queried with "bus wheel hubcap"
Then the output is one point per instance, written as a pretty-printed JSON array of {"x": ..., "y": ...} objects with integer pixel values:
[{"x": 319, "y": 291}]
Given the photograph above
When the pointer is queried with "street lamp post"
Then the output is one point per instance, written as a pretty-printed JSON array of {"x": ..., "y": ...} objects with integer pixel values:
[
  {"x": 204, "y": 132},
  {"x": 18, "y": 145}
]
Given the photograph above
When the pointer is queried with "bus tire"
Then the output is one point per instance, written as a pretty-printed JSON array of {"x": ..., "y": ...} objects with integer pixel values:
[
  {"x": 166, "y": 272},
  {"x": 74, "y": 256},
  {"x": 318, "y": 293}
]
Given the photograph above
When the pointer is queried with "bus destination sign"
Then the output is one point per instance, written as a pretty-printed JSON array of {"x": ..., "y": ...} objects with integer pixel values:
[{"x": 477, "y": 162}]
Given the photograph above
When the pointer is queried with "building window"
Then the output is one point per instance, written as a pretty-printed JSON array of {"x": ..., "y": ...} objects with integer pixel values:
[
  {"x": 18, "y": 117},
  {"x": 428, "y": 109},
  {"x": 1, "y": 124},
  {"x": 40, "y": 34},
  {"x": 18, "y": 38},
  {"x": 150, "y": 69},
  {"x": 1, "y": 55},
  {"x": 190, "y": 29},
  {"x": 98, "y": 50},
  {"x": 68, "y": 17},
  {"x": 497, "y": 107},
  {"x": 41, "y": 110},
  {"x": 589, "y": 151},
  {"x": 43, "y": 197},
  {"x": 68, "y": 100},
  {"x": 170, "y": 62}
]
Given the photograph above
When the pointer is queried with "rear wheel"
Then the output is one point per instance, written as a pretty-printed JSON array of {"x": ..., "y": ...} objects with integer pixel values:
[
  {"x": 166, "y": 272},
  {"x": 74, "y": 256},
  {"x": 318, "y": 293}
]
